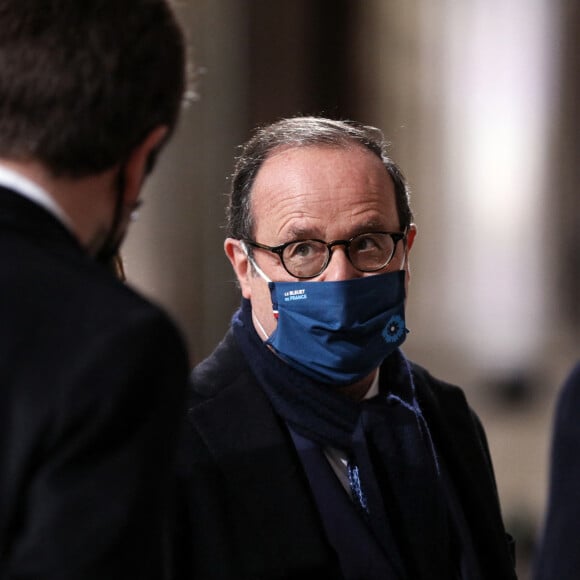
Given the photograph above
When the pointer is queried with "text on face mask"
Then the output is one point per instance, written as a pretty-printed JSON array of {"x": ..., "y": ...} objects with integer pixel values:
[{"x": 295, "y": 295}]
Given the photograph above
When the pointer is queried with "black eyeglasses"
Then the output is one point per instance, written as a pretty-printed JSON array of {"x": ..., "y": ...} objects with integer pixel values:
[{"x": 367, "y": 252}]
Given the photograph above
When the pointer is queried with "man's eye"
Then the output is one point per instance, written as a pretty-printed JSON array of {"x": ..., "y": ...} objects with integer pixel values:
[
  {"x": 365, "y": 243},
  {"x": 304, "y": 249},
  {"x": 301, "y": 250}
]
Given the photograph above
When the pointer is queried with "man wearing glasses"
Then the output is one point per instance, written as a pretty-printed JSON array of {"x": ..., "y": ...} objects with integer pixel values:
[{"x": 314, "y": 448}]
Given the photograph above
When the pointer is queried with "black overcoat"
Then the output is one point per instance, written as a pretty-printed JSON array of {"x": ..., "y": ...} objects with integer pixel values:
[
  {"x": 92, "y": 383},
  {"x": 246, "y": 510}
]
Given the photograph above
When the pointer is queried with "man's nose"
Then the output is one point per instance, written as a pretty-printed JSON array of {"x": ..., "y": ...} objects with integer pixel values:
[{"x": 339, "y": 267}]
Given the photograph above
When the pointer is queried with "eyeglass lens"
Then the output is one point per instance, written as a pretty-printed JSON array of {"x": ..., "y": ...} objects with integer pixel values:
[{"x": 367, "y": 252}]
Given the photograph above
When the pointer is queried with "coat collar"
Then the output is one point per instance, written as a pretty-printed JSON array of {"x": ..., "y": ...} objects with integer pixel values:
[{"x": 19, "y": 213}]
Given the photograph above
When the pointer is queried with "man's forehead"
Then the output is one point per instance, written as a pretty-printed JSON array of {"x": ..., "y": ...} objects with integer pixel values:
[
  {"x": 317, "y": 161},
  {"x": 301, "y": 189}
]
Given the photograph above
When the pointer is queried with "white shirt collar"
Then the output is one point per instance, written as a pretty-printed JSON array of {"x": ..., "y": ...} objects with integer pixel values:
[
  {"x": 374, "y": 388},
  {"x": 29, "y": 189}
]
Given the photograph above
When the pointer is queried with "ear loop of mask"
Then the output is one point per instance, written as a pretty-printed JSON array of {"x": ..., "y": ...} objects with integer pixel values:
[
  {"x": 109, "y": 247},
  {"x": 405, "y": 254},
  {"x": 264, "y": 277},
  {"x": 253, "y": 263},
  {"x": 404, "y": 262}
]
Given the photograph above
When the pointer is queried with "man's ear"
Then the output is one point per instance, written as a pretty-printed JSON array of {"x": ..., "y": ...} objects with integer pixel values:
[
  {"x": 137, "y": 165},
  {"x": 241, "y": 265},
  {"x": 411, "y": 233}
]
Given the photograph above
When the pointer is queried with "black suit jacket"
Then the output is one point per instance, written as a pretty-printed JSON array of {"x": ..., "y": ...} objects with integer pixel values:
[
  {"x": 559, "y": 550},
  {"x": 91, "y": 385},
  {"x": 246, "y": 510}
]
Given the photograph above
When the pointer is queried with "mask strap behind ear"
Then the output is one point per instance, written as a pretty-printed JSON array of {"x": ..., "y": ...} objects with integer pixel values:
[
  {"x": 260, "y": 327},
  {"x": 405, "y": 251},
  {"x": 111, "y": 243},
  {"x": 405, "y": 258},
  {"x": 253, "y": 263},
  {"x": 262, "y": 275}
]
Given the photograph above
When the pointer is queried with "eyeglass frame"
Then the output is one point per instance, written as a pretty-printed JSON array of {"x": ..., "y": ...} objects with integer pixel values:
[{"x": 279, "y": 250}]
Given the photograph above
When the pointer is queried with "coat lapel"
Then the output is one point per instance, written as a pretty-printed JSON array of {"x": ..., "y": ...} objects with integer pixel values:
[{"x": 258, "y": 459}]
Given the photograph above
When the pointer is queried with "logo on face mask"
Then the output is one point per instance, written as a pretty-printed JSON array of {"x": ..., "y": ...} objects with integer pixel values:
[
  {"x": 298, "y": 294},
  {"x": 395, "y": 329}
]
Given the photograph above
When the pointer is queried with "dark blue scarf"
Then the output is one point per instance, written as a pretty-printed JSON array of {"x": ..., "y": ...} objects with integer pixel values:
[{"x": 387, "y": 440}]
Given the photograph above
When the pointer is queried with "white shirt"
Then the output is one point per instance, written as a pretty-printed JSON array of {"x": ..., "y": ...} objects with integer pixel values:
[{"x": 32, "y": 191}]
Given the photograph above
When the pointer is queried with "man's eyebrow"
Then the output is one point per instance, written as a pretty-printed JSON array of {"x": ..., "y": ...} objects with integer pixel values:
[
  {"x": 370, "y": 226},
  {"x": 367, "y": 227},
  {"x": 308, "y": 233},
  {"x": 302, "y": 233}
]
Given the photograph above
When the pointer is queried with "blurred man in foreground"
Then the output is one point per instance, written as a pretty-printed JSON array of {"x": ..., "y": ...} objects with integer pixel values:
[
  {"x": 314, "y": 448},
  {"x": 91, "y": 375}
]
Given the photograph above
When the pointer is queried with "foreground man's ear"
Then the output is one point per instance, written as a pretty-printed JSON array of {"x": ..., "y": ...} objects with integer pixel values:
[{"x": 137, "y": 164}]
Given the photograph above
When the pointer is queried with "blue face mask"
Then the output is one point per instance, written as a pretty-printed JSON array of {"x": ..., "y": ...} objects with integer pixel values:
[{"x": 339, "y": 332}]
